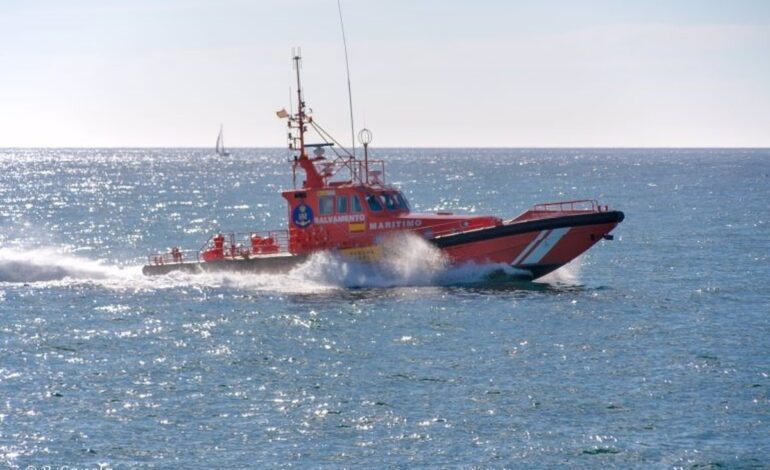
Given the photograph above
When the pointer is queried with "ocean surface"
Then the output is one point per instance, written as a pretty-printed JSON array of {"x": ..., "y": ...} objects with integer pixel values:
[{"x": 650, "y": 351}]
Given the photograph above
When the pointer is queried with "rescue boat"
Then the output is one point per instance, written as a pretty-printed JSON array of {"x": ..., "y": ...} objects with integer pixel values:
[{"x": 345, "y": 205}]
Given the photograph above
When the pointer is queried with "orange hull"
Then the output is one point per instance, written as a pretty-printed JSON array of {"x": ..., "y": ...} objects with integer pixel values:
[{"x": 538, "y": 246}]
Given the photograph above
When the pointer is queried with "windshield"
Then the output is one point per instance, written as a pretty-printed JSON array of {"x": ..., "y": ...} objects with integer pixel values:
[
  {"x": 357, "y": 204},
  {"x": 373, "y": 202},
  {"x": 389, "y": 201},
  {"x": 402, "y": 202}
]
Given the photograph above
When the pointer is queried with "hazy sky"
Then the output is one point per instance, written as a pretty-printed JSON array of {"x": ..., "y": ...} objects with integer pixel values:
[{"x": 424, "y": 72}]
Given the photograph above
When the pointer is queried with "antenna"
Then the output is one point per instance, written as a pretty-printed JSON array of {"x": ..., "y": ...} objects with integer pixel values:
[
  {"x": 365, "y": 137},
  {"x": 347, "y": 69}
]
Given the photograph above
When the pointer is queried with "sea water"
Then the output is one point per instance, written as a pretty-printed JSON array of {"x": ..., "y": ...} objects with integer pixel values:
[{"x": 651, "y": 350}]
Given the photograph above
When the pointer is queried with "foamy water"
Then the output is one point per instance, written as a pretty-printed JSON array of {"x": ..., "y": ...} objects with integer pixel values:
[
  {"x": 408, "y": 261},
  {"x": 45, "y": 264}
]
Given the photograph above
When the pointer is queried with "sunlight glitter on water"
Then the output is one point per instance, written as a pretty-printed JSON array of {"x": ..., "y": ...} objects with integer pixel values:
[{"x": 647, "y": 352}]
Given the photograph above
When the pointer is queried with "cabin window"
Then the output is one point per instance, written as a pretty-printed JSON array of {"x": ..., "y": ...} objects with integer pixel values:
[
  {"x": 402, "y": 202},
  {"x": 356, "y": 203},
  {"x": 389, "y": 201},
  {"x": 342, "y": 204},
  {"x": 326, "y": 205},
  {"x": 373, "y": 202}
]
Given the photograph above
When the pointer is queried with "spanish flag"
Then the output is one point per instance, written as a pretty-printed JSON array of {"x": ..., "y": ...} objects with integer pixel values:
[{"x": 357, "y": 227}]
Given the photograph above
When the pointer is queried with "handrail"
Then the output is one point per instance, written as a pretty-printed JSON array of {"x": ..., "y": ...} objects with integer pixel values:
[
  {"x": 357, "y": 168},
  {"x": 563, "y": 206},
  {"x": 174, "y": 256},
  {"x": 449, "y": 228},
  {"x": 235, "y": 245},
  {"x": 245, "y": 244}
]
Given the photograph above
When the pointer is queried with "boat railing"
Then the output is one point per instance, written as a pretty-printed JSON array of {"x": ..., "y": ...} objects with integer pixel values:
[
  {"x": 173, "y": 256},
  {"x": 240, "y": 245},
  {"x": 559, "y": 208},
  {"x": 246, "y": 244},
  {"x": 449, "y": 228},
  {"x": 357, "y": 168},
  {"x": 268, "y": 241},
  {"x": 569, "y": 206}
]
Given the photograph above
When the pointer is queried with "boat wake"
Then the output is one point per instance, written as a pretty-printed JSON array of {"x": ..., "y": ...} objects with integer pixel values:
[
  {"x": 408, "y": 261},
  {"x": 50, "y": 264}
]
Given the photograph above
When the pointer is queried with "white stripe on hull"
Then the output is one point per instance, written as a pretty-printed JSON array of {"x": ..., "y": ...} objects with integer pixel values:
[
  {"x": 550, "y": 241},
  {"x": 531, "y": 244}
]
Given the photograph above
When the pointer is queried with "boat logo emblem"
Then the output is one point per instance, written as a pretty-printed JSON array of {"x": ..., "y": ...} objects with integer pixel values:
[{"x": 302, "y": 215}]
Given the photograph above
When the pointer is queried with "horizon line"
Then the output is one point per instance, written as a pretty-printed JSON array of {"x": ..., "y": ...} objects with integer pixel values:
[{"x": 67, "y": 147}]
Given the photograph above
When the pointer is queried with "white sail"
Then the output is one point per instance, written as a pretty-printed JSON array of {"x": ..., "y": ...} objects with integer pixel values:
[{"x": 220, "y": 147}]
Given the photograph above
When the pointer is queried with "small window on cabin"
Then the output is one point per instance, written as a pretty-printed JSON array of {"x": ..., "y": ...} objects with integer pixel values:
[
  {"x": 373, "y": 202},
  {"x": 402, "y": 202},
  {"x": 342, "y": 204},
  {"x": 326, "y": 205},
  {"x": 356, "y": 203},
  {"x": 389, "y": 201}
]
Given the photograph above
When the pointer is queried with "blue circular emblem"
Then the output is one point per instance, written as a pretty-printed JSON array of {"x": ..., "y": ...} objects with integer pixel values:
[{"x": 302, "y": 215}]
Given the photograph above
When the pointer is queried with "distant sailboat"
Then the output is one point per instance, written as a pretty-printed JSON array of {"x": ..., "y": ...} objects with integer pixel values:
[{"x": 221, "y": 144}]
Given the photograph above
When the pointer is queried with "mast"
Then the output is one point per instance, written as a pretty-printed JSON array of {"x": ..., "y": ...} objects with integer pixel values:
[
  {"x": 301, "y": 107},
  {"x": 314, "y": 179}
]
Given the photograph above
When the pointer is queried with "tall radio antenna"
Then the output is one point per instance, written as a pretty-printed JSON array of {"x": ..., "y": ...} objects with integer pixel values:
[{"x": 347, "y": 69}]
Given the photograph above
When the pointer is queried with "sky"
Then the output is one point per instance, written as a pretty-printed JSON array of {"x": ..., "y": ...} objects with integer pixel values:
[{"x": 424, "y": 73}]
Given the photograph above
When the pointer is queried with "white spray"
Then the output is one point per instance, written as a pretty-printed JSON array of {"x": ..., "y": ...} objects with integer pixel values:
[{"x": 407, "y": 260}]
